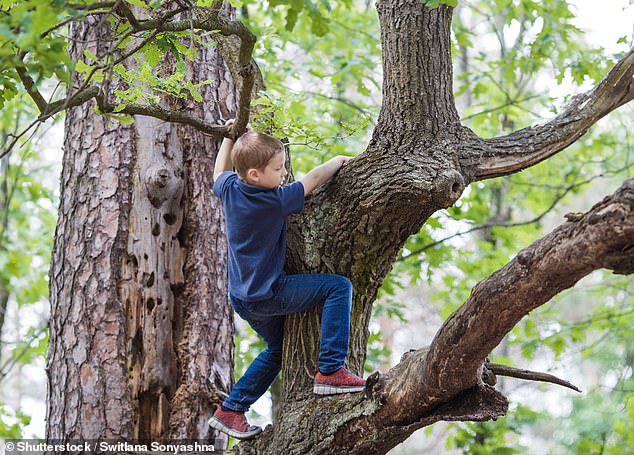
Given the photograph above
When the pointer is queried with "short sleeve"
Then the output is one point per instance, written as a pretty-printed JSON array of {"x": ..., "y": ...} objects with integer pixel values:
[
  {"x": 291, "y": 197},
  {"x": 221, "y": 183}
]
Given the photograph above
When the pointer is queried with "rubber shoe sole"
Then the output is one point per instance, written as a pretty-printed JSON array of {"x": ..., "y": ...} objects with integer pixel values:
[
  {"x": 218, "y": 425},
  {"x": 325, "y": 389}
]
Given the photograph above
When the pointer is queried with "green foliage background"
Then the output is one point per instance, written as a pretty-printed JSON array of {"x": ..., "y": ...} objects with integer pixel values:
[{"x": 321, "y": 62}]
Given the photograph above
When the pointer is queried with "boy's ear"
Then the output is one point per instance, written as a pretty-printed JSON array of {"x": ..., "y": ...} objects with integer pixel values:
[{"x": 253, "y": 175}]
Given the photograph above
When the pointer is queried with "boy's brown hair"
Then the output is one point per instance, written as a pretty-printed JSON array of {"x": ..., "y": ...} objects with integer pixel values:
[{"x": 254, "y": 150}]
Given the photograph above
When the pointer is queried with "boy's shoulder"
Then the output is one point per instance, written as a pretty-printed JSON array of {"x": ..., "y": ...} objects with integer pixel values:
[
  {"x": 223, "y": 181},
  {"x": 289, "y": 197}
]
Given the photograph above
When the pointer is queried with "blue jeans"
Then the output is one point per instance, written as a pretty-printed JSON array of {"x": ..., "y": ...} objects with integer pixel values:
[{"x": 292, "y": 294}]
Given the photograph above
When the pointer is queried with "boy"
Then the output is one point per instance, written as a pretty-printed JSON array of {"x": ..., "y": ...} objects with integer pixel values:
[{"x": 256, "y": 205}]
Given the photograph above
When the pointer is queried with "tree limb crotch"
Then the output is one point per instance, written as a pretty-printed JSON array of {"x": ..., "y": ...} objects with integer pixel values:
[{"x": 427, "y": 378}]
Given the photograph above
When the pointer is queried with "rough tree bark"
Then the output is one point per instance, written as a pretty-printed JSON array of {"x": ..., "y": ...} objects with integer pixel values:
[
  {"x": 133, "y": 237},
  {"x": 140, "y": 332}
]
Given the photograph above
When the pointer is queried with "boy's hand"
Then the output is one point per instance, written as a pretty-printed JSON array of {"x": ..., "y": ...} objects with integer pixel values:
[
  {"x": 231, "y": 121},
  {"x": 321, "y": 174},
  {"x": 344, "y": 159},
  {"x": 223, "y": 159}
]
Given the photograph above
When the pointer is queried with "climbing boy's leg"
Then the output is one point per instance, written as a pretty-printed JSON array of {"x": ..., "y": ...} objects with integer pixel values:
[
  {"x": 333, "y": 376},
  {"x": 229, "y": 418},
  {"x": 302, "y": 292}
]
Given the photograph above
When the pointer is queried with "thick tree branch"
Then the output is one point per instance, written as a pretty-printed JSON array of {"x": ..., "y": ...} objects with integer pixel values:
[
  {"x": 454, "y": 362},
  {"x": 539, "y": 272},
  {"x": 524, "y": 148},
  {"x": 165, "y": 115}
]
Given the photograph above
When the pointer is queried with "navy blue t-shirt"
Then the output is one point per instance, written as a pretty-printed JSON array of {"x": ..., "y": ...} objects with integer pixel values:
[{"x": 256, "y": 232}]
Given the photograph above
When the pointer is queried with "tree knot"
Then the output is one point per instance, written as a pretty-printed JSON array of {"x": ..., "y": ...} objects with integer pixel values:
[
  {"x": 625, "y": 194},
  {"x": 162, "y": 183},
  {"x": 448, "y": 187},
  {"x": 524, "y": 256}
]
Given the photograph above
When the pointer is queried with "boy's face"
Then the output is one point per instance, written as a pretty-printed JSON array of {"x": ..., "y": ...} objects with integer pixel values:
[{"x": 270, "y": 176}]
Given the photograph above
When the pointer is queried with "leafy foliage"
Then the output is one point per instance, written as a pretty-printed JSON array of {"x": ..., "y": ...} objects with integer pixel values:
[
  {"x": 26, "y": 234},
  {"x": 12, "y": 422},
  {"x": 494, "y": 438},
  {"x": 321, "y": 62}
]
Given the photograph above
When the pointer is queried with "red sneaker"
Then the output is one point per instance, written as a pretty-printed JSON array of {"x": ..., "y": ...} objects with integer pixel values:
[
  {"x": 233, "y": 423},
  {"x": 341, "y": 381}
]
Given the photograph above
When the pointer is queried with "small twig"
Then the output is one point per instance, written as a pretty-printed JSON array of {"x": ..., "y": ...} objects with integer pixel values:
[
  {"x": 29, "y": 85},
  {"x": 504, "y": 370},
  {"x": 94, "y": 6},
  {"x": 534, "y": 220},
  {"x": 511, "y": 102}
]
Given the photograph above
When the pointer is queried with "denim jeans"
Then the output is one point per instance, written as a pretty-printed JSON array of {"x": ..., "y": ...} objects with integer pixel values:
[{"x": 292, "y": 294}]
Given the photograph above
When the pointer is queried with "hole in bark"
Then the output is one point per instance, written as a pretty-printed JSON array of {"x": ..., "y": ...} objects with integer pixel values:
[
  {"x": 156, "y": 229},
  {"x": 132, "y": 261},
  {"x": 150, "y": 304},
  {"x": 149, "y": 279},
  {"x": 455, "y": 188},
  {"x": 182, "y": 236},
  {"x": 169, "y": 218},
  {"x": 177, "y": 288},
  {"x": 135, "y": 348}
]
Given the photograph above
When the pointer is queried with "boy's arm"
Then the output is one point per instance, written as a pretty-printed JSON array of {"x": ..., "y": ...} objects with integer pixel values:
[
  {"x": 223, "y": 159},
  {"x": 321, "y": 174}
]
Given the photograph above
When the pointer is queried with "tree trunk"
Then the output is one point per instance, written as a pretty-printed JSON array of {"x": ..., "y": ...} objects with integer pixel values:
[
  {"x": 138, "y": 263},
  {"x": 140, "y": 330},
  {"x": 356, "y": 225}
]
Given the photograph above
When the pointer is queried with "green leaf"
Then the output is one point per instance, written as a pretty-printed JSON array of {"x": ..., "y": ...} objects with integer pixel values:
[
  {"x": 83, "y": 67},
  {"x": 431, "y": 3},
  {"x": 291, "y": 19},
  {"x": 181, "y": 66},
  {"x": 124, "y": 119},
  {"x": 140, "y": 3},
  {"x": 90, "y": 55}
]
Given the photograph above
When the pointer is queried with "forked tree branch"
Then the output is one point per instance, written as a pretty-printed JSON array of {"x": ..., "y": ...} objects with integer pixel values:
[
  {"x": 425, "y": 379},
  {"x": 509, "y": 154}
]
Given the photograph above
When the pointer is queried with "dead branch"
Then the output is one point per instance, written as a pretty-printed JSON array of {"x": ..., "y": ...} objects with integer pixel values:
[{"x": 504, "y": 370}]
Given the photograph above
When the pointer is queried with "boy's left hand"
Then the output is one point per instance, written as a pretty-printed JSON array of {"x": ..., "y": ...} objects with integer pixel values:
[{"x": 345, "y": 159}]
